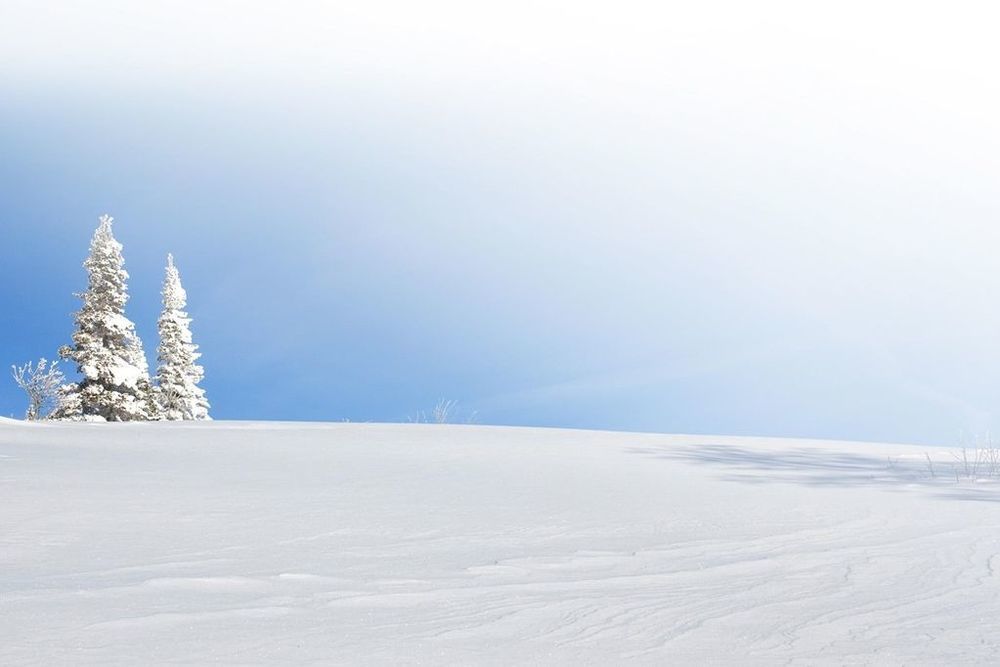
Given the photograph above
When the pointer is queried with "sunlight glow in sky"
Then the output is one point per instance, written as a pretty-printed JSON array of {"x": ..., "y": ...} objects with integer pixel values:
[{"x": 749, "y": 218}]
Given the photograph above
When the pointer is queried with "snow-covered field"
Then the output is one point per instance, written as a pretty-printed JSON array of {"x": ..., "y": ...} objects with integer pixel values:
[{"x": 247, "y": 543}]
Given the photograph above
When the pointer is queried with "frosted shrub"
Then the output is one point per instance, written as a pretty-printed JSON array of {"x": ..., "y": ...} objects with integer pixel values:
[{"x": 43, "y": 383}]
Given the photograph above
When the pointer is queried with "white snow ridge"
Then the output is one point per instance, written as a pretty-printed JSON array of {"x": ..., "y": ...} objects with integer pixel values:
[{"x": 255, "y": 543}]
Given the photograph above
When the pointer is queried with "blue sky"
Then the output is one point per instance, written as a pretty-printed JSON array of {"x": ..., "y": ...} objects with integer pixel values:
[{"x": 649, "y": 216}]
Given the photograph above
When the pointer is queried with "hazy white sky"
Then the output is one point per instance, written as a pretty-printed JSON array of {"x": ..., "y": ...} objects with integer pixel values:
[{"x": 655, "y": 207}]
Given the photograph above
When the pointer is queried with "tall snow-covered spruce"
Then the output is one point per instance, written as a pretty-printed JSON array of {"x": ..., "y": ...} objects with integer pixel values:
[
  {"x": 106, "y": 348},
  {"x": 178, "y": 375}
]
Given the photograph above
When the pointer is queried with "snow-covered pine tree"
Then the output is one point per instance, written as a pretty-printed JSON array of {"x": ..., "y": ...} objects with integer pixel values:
[
  {"x": 178, "y": 375},
  {"x": 106, "y": 348},
  {"x": 70, "y": 406}
]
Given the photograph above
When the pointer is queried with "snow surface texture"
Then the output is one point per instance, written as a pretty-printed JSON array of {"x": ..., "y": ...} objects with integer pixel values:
[{"x": 250, "y": 543}]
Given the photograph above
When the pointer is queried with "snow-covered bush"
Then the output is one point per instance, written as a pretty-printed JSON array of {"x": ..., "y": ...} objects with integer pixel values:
[
  {"x": 106, "y": 348},
  {"x": 43, "y": 383},
  {"x": 178, "y": 374}
]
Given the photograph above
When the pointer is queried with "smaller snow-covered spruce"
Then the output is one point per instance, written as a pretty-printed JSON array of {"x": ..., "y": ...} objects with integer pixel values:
[{"x": 178, "y": 374}]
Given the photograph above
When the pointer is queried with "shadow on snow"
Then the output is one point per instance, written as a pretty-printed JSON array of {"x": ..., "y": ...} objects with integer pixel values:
[{"x": 829, "y": 469}]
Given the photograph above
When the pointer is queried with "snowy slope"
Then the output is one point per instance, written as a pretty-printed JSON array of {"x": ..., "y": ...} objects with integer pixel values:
[{"x": 248, "y": 543}]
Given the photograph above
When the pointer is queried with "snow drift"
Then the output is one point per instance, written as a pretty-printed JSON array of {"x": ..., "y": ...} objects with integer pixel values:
[{"x": 248, "y": 543}]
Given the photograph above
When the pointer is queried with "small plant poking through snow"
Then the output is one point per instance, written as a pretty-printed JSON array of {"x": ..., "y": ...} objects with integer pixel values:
[
  {"x": 975, "y": 462},
  {"x": 981, "y": 460},
  {"x": 446, "y": 411}
]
